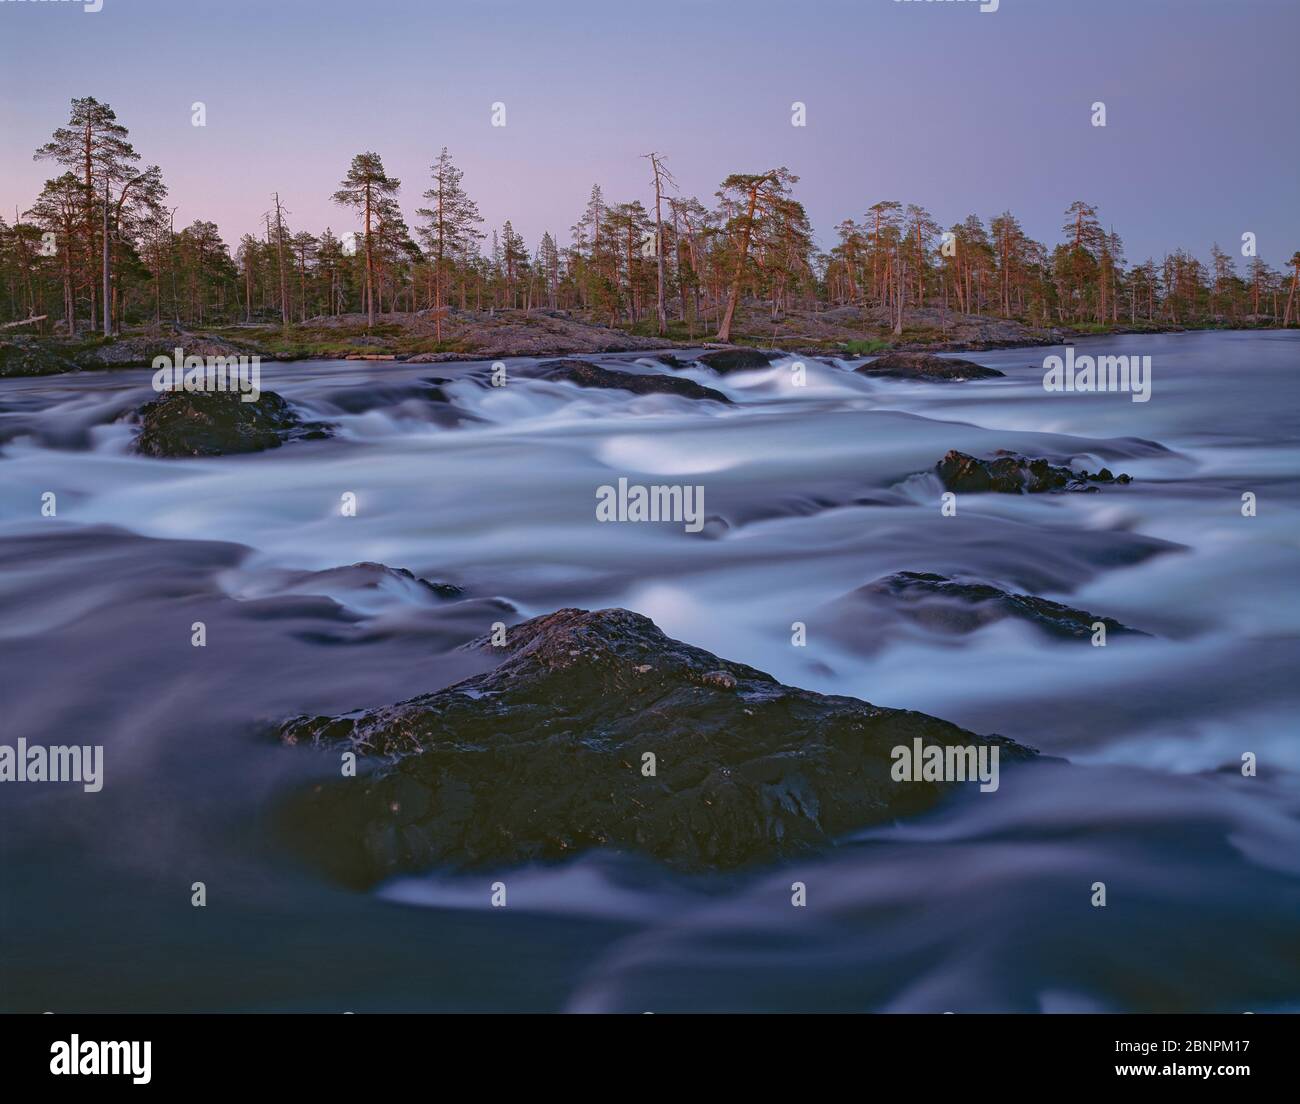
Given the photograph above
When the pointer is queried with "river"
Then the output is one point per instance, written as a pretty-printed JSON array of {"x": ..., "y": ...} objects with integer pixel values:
[{"x": 811, "y": 492}]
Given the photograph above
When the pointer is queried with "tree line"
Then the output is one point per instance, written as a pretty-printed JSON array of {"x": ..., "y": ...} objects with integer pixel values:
[{"x": 99, "y": 250}]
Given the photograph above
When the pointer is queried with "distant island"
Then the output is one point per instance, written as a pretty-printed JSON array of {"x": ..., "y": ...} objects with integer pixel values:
[{"x": 97, "y": 261}]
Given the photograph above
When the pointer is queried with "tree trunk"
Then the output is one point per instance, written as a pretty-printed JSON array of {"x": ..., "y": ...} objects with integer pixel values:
[
  {"x": 370, "y": 269},
  {"x": 108, "y": 308},
  {"x": 659, "y": 248}
]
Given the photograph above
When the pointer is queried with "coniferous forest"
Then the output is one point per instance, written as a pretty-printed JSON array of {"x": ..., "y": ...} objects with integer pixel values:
[{"x": 104, "y": 219}]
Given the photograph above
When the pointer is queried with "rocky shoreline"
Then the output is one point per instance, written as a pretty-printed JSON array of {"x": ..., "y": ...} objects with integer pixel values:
[{"x": 402, "y": 338}]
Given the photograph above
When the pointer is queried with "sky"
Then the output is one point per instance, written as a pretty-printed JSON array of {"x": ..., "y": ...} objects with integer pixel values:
[{"x": 938, "y": 103}]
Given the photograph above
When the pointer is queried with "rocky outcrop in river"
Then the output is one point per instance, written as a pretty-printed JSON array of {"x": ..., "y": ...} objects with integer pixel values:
[
  {"x": 213, "y": 423},
  {"x": 595, "y": 729},
  {"x": 586, "y": 374},
  {"x": 724, "y": 361},
  {"x": 925, "y": 366},
  {"x": 1009, "y": 473},
  {"x": 955, "y": 606}
]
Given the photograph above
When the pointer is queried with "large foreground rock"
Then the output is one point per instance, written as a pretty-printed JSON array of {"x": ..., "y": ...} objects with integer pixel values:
[
  {"x": 214, "y": 423},
  {"x": 544, "y": 755},
  {"x": 1009, "y": 473},
  {"x": 586, "y": 374},
  {"x": 925, "y": 366}
]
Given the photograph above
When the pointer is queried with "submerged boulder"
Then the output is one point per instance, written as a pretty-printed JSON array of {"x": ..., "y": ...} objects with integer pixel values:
[
  {"x": 425, "y": 399},
  {"x": 925, "y": 366},
  {"x": 949, "y": 605},
  {"x": 586, "y": 374},
  {"x": 596, "y": 729},
  {"x": 723, "y": 361},
  {"x": 1009, "y": 473},
  {"x": 368, "y": 576},
  {"x": 214, "y": 423}
]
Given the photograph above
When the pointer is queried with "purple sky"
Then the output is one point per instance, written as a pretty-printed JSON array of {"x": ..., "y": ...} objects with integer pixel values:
[{"x": 938, "y": 103}]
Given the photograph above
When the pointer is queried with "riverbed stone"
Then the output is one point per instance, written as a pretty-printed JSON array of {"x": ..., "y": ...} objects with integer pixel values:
[
  {"x": 926, "y": 366},
  {"x": 1010, "y": 473},
  {"x": 962, "y": 606},
  {"x": 595, "y": 729},
  {"x": 724, "y": 361},
  {"x": 585, "y": 374},
  {"x": 216, "y": 423}
]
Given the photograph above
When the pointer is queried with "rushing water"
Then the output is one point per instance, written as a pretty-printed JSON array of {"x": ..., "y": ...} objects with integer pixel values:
[{"x": 812, "y": 492}]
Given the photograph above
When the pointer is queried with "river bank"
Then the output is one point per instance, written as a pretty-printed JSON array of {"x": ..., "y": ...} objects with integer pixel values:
[{"x": 486, "y": 335}]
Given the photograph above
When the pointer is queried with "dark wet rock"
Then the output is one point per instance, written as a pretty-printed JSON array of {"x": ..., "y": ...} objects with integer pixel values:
[
  {"x": 1009, "y": 473},
  {"x": 949, "y": 605},
  {"x": 723, "y": 361},
  {"x": 26, "y": 357},
  {"x": 586, "y": 374},
  {"x": 669, "y": 360},
  {"x": 542, "y": 756},
  {"x": 215, "y": 423},
  {"x": 370, "y": 576},
  {"x": 926, "y": 366}
]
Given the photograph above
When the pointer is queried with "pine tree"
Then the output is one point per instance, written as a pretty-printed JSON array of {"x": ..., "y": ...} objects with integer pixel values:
[
  {"x": 1080, "y": 257},
  {"x": 329, "y": 265},
  {"x": 757, "y": 196},
  {"x": 58, "y": 210},
  {"x": 548, "y": 257},
  {"x": 363, "y": 189},
  {"x": 514, "y": 256},
  {"x": 247, "y": 255},
  {"x": 94, "y": 145},
  {"x": 304, "y": 253},
  {"x": 1010, "y": 243},
  {"x": 1294, "y": 262},
  {"x": 882, "y": 217},
  {"x": 453, "y": 220}
]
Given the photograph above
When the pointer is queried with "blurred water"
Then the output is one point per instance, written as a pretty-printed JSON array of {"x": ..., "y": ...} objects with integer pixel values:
[{"x": 813, "y": 492}]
